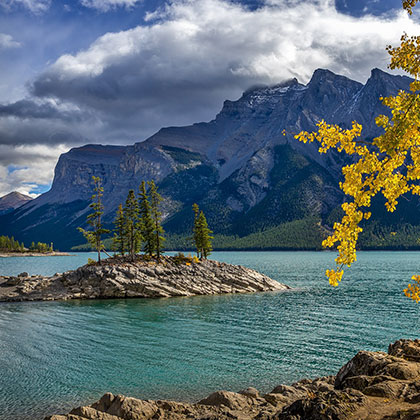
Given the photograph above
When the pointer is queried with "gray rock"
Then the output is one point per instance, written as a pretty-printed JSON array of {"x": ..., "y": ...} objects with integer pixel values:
[
  {"x": 13, "y": 281},
  {"x": 121, "y": 278}
]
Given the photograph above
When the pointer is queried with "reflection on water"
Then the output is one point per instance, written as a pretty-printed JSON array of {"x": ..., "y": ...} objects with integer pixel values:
[{"x": 56, "y": 355}]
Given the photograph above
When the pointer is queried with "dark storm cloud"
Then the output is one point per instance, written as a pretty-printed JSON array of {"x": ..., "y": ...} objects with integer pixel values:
[
  {"x": 27, "y": 109},
  {"x": 193, "y": 55},
  {"x": 21, "y": 132}
]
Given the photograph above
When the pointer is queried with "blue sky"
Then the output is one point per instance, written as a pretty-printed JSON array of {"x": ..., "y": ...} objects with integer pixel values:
[{"x": 115, "y": 71}]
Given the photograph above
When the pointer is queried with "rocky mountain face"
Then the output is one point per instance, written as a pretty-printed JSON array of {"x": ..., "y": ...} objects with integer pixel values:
[
  {"x": 12, "y": 201},
  {"x": 243, "y": 171}
]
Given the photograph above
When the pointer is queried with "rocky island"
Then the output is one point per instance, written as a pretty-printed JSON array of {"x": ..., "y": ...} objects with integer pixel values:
[
  {"x": 33, "y": 254},
  {"x": 124, "y": 277},
  {"x": 371, "y": 386}
]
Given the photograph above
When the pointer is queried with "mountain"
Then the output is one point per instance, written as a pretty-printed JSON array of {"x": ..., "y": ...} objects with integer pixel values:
[
  {"x": 12, "y": 201},
  {"x": 243, "y": 171}
]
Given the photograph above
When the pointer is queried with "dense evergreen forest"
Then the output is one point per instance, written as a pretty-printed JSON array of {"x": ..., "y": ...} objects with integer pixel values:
[
  {"x": 12, "y": 245},
  {"x": 305, "y": 234}
]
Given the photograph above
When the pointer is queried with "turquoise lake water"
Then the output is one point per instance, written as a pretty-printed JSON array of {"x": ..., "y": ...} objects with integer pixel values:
[{"x": 57, "y": 355}]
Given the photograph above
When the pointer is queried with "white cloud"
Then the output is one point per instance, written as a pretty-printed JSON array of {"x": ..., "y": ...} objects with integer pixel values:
[
  {"x": 192, "y": 55},
  {"x": 7, "y": 41},
  {"x": 106, "y": 5},
  {"x": 202, "y": 41},
  {"x": 35, "y": 6},
  {"x": 32, "y": 165}
]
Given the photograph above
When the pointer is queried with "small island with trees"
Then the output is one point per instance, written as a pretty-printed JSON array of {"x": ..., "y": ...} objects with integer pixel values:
[
  {"x": 129, "y": 274},
  {"x": 138, "y": 227},
  {"x": 10, "y": 247}
]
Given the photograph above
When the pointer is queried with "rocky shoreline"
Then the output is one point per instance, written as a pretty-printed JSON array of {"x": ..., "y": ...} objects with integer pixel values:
[
  {"x": 34, "y": 254},
  {"x": 122, "y": 277},
  {"x": 371, "y": 386}
]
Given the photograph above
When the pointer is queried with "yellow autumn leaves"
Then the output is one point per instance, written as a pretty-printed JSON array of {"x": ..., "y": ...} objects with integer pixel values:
[
  {"x": 389, "y": 164},
  {"x": 409, "y": 4},
  {"x": 413, "y": 290}
]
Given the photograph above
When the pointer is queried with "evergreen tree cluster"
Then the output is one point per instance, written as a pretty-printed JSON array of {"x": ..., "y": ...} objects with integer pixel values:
[
  {"x": 11, "y": 244},
  {"x": 137, "y": 224},
  {"x": 41, "y": 247}
]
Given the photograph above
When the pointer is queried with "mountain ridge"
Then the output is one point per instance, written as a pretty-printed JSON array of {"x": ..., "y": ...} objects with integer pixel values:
[
  {"x": 240, "y": 167},
  {"x": 12, "y": 201}
]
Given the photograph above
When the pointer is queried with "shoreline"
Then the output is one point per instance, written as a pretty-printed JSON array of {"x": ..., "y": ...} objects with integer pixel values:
[
  {"x": 34, "y": 254},
  {"x": 371, "y": 386}
]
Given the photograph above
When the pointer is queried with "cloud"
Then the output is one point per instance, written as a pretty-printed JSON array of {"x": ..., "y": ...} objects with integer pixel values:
[
  {"x": 191, "y": 48},
  {"x": 41, "y": 6},
  {"x": 7, "y": 41},
  {"x": 24, "y": 167},
  {"x": 25, "y": 122},
  {"x": 35, "y": 6},
  {"x": 192, "y": 55},
  {"x": 181, "y": 65},
  {"x": 106, "y": 5},
  {"x": 40, "y": 109}
]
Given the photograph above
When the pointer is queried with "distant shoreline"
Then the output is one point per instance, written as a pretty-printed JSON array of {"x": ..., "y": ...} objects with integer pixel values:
[
  {"x": 271, "y": 249},
  {"x": 34, "y": 254}
]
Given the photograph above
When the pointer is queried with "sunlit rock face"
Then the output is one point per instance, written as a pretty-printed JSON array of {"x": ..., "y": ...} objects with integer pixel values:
[
  {"x": 244, "y": 168},
  {"x": 12, "y": 201}
]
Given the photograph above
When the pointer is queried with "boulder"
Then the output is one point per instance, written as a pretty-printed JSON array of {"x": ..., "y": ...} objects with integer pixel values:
[
  {"x": 229, "y": 399},
  {"x": 406, "y": 349},
  {"x": 332, "y": 405},
  {"x": 13, "y": 281},
  {"x": 367, "y": 363}
]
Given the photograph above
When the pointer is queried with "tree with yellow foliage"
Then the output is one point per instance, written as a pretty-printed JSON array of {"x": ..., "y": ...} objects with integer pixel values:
[{"x": 389, "y": 164}]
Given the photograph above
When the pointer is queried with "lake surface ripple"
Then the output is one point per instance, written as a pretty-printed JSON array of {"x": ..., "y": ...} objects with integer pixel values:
[{"x": 57, "y": 355}]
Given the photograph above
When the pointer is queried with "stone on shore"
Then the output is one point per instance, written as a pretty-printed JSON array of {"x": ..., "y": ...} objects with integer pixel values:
[{"x": 371, "y": 386}]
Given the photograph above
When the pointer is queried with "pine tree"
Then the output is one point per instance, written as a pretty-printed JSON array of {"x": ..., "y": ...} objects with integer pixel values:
[
  {"x": 120, "y": 237},
  {"x": 196, "y": 236},
  {"x": 94, "y": 219},
  {"x": 155, "y": 200},
  {"x": 131, "y": 225},
  {"x": 205, "y": 236},
  {"x": 201, "y": 234},
  {"x": 146, "y": 221}
]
